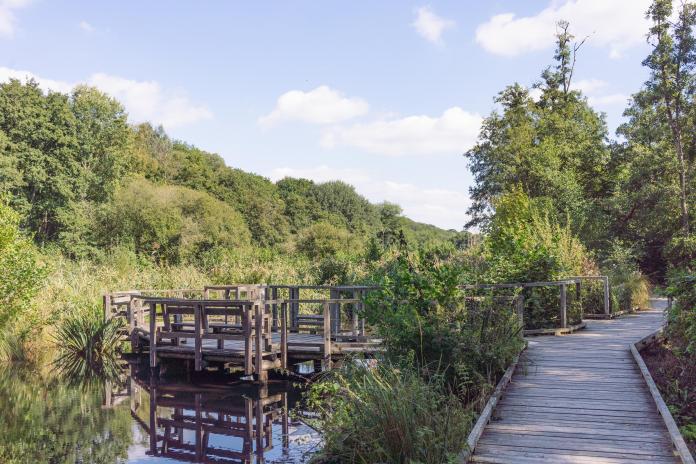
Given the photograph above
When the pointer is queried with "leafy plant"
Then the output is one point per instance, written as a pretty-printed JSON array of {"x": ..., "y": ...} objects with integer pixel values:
[{"x": 88, "y": 346}]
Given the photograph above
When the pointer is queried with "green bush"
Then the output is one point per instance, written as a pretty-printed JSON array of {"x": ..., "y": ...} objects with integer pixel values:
[
  {"x": 524, "y": 244},
  {"x": 421, "y": 315},
  {"x": 22, "y": 270},
  {"x": 171, "y": 224},
  {"x": 388, "y": 415}
]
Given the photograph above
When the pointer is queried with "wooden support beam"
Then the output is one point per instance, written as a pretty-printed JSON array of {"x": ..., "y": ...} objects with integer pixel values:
[
  {"x": 153, "y": 334},
  {"x": 564, "y": 308},
  {"x": 198, "y": 337},
  {"x": 283, "y": 336},
  {"x": 327, "y": 335}
]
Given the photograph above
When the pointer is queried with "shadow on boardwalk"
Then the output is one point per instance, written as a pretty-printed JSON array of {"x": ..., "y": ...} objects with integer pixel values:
[{"x": 580, "y": 399}]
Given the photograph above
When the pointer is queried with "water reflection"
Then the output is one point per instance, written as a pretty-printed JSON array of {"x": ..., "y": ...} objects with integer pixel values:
[
  {"x": 138, "y": 419},
  {"x": 207, "y": 423}
]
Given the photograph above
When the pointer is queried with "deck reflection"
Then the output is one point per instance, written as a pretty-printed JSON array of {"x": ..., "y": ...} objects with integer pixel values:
[{"x": 210, "y": 424}]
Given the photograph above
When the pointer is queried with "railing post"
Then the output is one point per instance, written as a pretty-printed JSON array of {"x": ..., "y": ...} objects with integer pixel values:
[
  {"x": 335, "y": 294},
  {"x": 607, "y": 305},
  {"x": 578, "y": 298},
  {"x": 258, "y": 345},
  {"x": 274, "y": 296},
  {"x": 519, "y": 308},
  {"x": 246, "y": 327},
  {"x": 283, "y": 335},
  {"x": 564, "y": 309},
  {"x": 153, "y": 334},
  {"x": 327, "y": 335},
  {"x": 198, "y": 337}
]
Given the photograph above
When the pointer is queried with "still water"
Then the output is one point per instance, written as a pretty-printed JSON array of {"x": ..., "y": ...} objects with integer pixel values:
[{"x": 139, "y": 419}]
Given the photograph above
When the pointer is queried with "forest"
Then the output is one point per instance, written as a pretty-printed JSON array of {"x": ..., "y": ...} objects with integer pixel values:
[{"x": 91, "y": 203}]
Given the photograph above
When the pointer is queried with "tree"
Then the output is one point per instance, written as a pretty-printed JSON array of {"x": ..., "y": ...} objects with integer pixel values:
[
  {"x": 671, "y": 82},
  {"x": 554, "y": 149}
]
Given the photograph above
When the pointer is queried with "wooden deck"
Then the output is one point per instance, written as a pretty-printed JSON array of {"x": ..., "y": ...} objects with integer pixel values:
[{"x": 580, "y": 399}]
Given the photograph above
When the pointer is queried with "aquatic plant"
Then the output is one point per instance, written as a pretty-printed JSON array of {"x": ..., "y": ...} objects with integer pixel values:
[{"x": 88, "y": 346}]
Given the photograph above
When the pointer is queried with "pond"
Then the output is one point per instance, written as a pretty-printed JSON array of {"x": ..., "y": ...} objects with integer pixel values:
[{"x": 144, "y": 419}]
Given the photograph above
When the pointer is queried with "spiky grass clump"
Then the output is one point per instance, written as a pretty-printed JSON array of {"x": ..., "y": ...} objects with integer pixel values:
[
  {"x": 88, "y": 346},
  {"x": 388, "y": 415}
]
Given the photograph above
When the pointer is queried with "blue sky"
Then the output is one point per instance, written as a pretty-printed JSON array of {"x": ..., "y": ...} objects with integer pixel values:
[{"x": 384, "y": 95}]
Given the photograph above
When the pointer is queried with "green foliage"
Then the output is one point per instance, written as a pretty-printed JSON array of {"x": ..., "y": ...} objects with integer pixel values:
[
  {"x": 390, "y": 415},
  {"x": 524, "y": 244},
  {"x": 89, "y": 346},
  {"x": 22, "y": 271},
  {"x": 171, "y": 224},
  {"x": 421, "y": 315},
  {"x": 322, "y": 240},
  {"x": 682, "y": 317}
]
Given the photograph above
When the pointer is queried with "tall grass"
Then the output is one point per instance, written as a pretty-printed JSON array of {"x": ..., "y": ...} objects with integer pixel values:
[{"x": 388, "y": 415}]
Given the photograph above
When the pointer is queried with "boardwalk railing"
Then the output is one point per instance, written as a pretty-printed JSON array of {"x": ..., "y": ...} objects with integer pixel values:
[{"x": 521, "y": 297}]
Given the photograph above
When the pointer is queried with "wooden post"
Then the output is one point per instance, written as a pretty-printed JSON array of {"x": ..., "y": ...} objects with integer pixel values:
[
  {"x": 327, "y": 335},
  {"x": 198, "y": 337},
  {"x": 153, "y": 419},
  {"x": 334, "y": 294},
  {"x": 274, "y": 296},
  {"x": 607, "y": 305},
  {"x": 258, "y": 345},
  {"x": 578, "y": 297},
  {"x": 519, "y": 308},
  {"x": 356, "y": 310},
  {"x": 283, "y": 336},
  {"x": 246, "y": 327},
  {"x": 107, "y": 306},
  {"x": 199, "y": 427},
  {"x": 294, "y": 306},
  {"x": 153, "y": 334},
  {"x": 564, "y": 309}
]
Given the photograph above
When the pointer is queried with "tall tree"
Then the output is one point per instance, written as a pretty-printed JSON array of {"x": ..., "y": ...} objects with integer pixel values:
[
  {"x": 671, "y": 82},
  {"x": 554, "y": 148}
]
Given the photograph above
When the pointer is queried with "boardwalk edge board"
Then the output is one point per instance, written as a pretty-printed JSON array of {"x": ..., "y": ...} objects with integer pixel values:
[
  {"x": 487, "y": 413},
  {"x": 674, "y": 433}
]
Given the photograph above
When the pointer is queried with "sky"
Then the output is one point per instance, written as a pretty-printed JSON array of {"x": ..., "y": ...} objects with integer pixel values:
[{"x": 386, "y": 96}]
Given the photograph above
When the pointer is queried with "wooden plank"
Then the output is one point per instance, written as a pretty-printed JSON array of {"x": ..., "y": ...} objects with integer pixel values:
[{"x": 580, "y": 399}]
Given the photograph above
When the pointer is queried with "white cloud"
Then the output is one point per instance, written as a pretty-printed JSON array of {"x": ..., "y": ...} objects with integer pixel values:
[
  {"x": 8, "y": 20},
  {"x": 442, "y": 207},
  {"x": 431, "y": 26},
  {"x": 452, "y": 133},
  {"x": 87, "y": 27},
  {"x": 144, "y": 100},
  {"x": 322, "y": 105},
  {"x": 615, "y": 24},
  {"x": 588, "y": 86},
  {"x": 46, "y": 84},
  {"x": 608, "y": 100},
  {"x": 593, "y": 90}
]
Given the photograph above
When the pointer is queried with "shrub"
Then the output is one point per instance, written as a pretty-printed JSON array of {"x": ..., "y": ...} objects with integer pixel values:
[
  {"x": 421, "y": 315},
  {"x": 525, "y": 244},
  {"x": 22, "y": 270},
  {"x": 388, "y": 415},
  {"x": 171, "y": 224}
]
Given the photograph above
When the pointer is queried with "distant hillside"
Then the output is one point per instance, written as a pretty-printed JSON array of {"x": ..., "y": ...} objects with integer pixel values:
[{"x": 84, "y": 179}]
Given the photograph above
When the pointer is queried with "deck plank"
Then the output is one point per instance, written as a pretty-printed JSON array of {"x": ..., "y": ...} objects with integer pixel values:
[{"x": 581, "y": 399}]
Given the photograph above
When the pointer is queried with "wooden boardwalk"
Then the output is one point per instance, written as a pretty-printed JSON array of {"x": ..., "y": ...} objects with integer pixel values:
[{"x": 580, "y": 399}]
